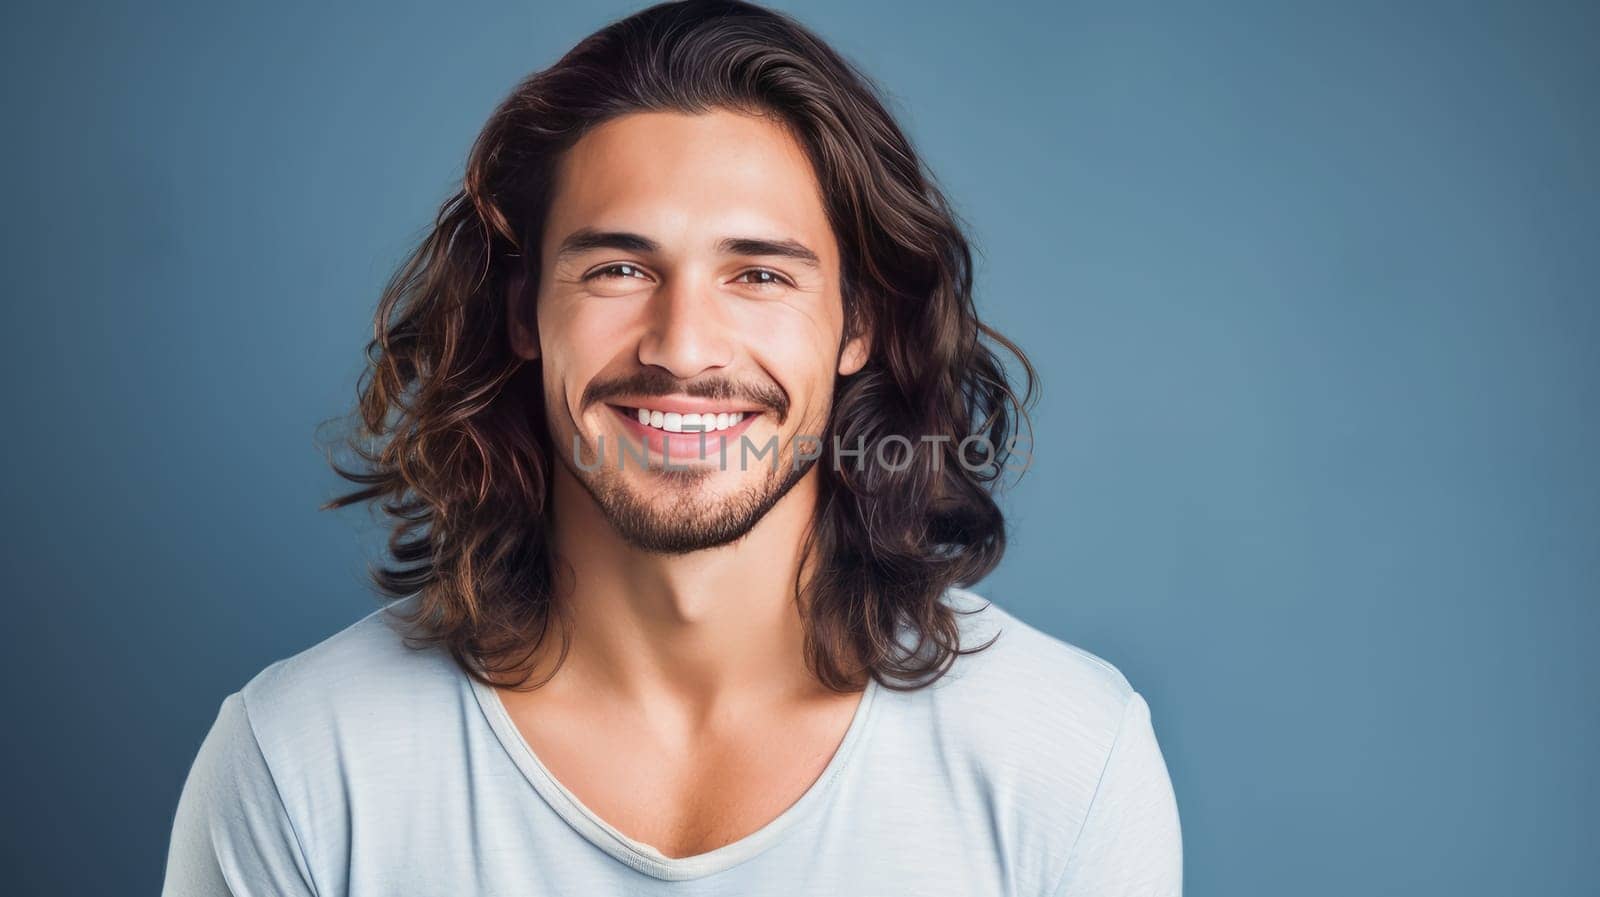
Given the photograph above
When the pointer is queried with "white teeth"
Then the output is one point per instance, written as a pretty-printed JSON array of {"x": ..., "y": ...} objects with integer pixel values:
[{"x": 674, "y": 422}]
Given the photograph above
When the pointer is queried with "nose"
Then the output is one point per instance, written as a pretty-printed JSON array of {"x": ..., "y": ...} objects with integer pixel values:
[{"x": 687, "y": 332}]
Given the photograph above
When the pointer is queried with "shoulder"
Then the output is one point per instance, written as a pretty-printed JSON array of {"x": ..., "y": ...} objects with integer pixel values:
[
  {"x": 306, "y": 746},
  {"x": 366, "y": 659},
  {"x": 1034, "y": 720},
  {"x": 1030, "y": 679},
  {"x": 1024, "y": 702},
  {"x": 359, "y": 688}
]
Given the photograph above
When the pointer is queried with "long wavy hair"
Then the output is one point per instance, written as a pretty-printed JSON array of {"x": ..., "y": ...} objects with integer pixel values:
[{"x": 449, "y": 430}]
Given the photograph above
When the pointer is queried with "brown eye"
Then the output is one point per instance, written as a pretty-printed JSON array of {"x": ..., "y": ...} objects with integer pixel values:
[
  {"x": 763, "y": 277},
  {"x": 621, "y": 269}
]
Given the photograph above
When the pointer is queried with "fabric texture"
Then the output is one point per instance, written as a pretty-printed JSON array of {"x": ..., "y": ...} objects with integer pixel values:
[{"x": 363, "y": 767}]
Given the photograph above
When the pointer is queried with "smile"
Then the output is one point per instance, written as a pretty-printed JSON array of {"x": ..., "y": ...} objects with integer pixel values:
[
  {"x": 678, "y": 432},
  {"x": 675, "y": 422}
]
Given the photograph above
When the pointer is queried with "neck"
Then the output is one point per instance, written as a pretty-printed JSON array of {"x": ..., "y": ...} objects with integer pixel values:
[{"x": 711, "y": 628}]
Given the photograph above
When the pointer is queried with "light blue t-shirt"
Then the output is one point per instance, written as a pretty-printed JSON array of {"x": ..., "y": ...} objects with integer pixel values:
[{"x": 362, "y": 767}]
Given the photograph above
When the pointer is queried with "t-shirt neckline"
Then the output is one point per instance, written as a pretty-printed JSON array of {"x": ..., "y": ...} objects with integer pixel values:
[{"x": 638, "y": 855}]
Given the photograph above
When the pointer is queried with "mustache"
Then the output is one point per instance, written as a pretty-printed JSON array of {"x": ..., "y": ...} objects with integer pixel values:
[{"x": 660, "y": 383}]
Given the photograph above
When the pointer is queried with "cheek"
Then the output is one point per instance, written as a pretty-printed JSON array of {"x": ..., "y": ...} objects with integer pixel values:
[
  {"x": 578, "y": 341},
  {"x": 801, "y": 327},
  {"x": 796, "y": 347}
]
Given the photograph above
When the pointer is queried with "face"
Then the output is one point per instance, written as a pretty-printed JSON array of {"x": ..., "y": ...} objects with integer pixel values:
[{"x": 688, "y": 313}]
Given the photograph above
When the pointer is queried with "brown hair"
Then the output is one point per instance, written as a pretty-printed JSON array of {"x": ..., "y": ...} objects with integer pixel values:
[{"x": 452, "y": 436}]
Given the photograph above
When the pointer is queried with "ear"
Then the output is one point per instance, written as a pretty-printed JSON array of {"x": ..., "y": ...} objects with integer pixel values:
[
  {"x": 853, "y": 356},
  {"x": 524, "y": 340}
]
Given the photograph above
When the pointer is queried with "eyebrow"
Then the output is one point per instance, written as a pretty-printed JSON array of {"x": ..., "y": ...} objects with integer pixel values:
[
  {"x": 587, "y": 239},
  {"x": 791, "y": 249}
]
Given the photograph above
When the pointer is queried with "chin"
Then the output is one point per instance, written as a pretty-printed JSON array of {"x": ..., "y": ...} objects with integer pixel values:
[{"x": 672, "y": 511}]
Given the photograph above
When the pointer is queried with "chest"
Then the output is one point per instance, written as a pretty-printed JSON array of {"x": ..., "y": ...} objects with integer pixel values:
[
  {"x": 479, "y": 814},
  {"x": 688, "y": 794}
]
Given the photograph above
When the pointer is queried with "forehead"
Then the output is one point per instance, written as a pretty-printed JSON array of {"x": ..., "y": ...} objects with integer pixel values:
[{"x": 672, "y": 177}]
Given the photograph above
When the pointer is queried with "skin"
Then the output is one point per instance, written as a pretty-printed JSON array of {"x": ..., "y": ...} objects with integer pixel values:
[{"x": 683, "y": 713}]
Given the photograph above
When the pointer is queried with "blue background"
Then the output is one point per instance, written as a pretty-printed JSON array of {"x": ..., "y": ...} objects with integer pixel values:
[{"x": 1311, "y": 287}]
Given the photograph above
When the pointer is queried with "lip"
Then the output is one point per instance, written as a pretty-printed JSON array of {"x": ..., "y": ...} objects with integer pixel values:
[
  {"x": 679, "y": 446},
  {"x": 682, "y": 404}
]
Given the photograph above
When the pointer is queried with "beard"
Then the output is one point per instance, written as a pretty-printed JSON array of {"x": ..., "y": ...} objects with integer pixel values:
[{"x": 687, "y": 524}]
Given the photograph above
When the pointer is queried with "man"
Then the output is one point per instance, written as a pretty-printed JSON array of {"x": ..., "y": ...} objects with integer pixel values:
[{"x": 688, "y": 429}]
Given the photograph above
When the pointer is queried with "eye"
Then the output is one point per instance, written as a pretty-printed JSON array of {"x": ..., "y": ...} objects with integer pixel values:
[
  {"x": 764, "y": 277},
  {"x": 620, "y": 270}
]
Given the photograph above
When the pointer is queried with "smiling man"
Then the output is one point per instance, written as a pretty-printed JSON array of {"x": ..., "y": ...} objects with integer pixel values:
[
  {"x": 689, "y": 430},
  {"x": 677, "y": 280}
]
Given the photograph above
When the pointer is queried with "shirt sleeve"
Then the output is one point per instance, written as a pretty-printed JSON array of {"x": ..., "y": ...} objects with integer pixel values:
[
  {"x": 231, "y": 836},
  {"x": 1130, "y": 844}
]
